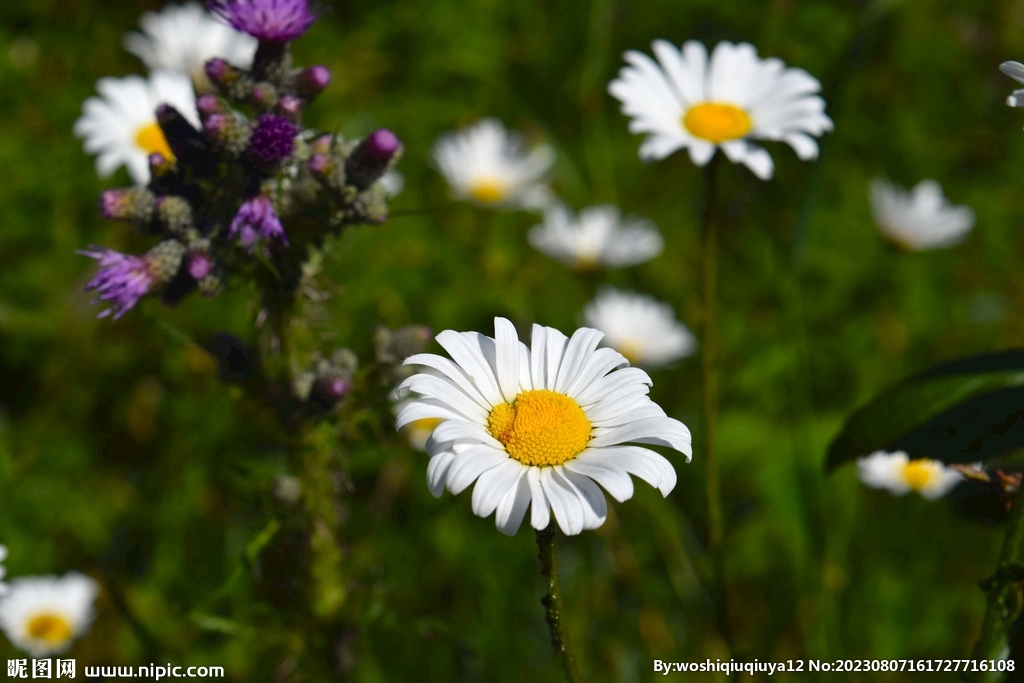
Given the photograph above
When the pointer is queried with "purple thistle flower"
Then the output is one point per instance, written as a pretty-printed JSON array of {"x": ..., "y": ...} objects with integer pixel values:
[
  {"x": 273, "y": 21},
  {"x": 256, "y": 219},
  {"x": 273, "y": 139},
  {"x": 122, "y": 279}
]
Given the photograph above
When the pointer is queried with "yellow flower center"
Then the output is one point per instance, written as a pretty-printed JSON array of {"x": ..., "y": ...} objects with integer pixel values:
[
  {"x": 717, "y": 122},
  {"x": 427, "y": 424},
  {"x": 52, "y": 629},
  {"x": 488, "y": 190},
  {"x": 540, "y": 428},
  {"x": 919, "y": 473},
  {"x": 151, "y": 139}
]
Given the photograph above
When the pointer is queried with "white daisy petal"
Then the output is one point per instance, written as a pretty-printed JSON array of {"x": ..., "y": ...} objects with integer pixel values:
[
  {"x": 565, "y": 503},
  {"x": 640, "y": 462},
  {"x": 510, "y": 512},
  {"x": 595, "y": 506},
  {"x": 492, "y": 486},
  {"x": 437, "y": 472},
  {"x": 470, "y": 464},
  {"x": 614, "y": 479},
  {"x": 507, "y": 343},
  {"x": 540, "y": 510},
  {"x": 598, "y": 237}
]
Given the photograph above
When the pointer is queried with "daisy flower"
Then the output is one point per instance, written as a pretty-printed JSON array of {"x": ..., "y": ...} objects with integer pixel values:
[
  {"x": 686, "y": 100},
  {"x": 898, "y": 474},
  {"x": 1014, "y": 70},
  {"x": 43, "y": 614},
  {"x": 488, "y": 165},
  {"x": 540, "y": 427},
  {"x": 182, "y": 38},
  {"x": 120, "y": 125},
  {"x": 919, "y": 219},
  {"x": 639, "y": 327},
  {"x": 598, "y": 237}
]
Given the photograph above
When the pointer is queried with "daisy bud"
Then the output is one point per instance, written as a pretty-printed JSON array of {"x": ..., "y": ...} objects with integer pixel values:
[
  {"x": 134, "y": 205},
  {"x": 256, "y": 220},
  {"x": 313, "y": 81},
  {"x": 378, "y": 152},
  {"x": 273, "y": 140},
  {"x": 290, "y": 108},
  {"x": 175, "y": 214}
]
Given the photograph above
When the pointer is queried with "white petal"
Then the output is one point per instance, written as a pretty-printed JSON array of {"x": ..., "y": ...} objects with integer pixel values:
[
  {"x": 614, "y": 479},
  {"x": 470, "y": 464},
  {"x": 492, "y": 486},
  {"x": 507, "y": 350},
  {"x": 565, "y": 504},
  {"x": 512, "y": 507},
  {"x": 540, "y": 510}
]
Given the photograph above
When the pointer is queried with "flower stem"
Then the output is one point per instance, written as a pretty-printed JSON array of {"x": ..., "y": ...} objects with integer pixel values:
[
  {"x": 709, "y": 346},
  {"x": 1004, "y": 593},
  {"x": 552, "y": 602}
]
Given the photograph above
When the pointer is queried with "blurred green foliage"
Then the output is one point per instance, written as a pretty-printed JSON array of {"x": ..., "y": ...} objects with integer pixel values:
[{"x": 121, "y": 455}]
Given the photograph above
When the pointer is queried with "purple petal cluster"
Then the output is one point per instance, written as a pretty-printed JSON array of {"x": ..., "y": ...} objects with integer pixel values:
[
  {"x": 273, "y": 139},
  {"x": 122, "y": 279},
  {"x": 256, "y": 219},
  {"x": 274, "y": 21}
]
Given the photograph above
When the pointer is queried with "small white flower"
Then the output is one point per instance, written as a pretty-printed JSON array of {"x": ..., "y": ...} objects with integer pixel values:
[
  {"x": 898, "y": 474},
  {"x": 183, "y": 38},
  {"x": 489, "y": 165},
  {"x": 540, "y": 427},
  {"x": 418, "y": 431},
  {"x": 920, "y": 219},
  {"x": 598, "y": 237},
  {"x": 639, "y": 327},
  {"x": 1014, "y": 70},
  {"x": 393, "y": 183},
  {"x": 120, "y": 125},
  {"x": 687, "y": 101},
  {"x": 43, "y": 614}
]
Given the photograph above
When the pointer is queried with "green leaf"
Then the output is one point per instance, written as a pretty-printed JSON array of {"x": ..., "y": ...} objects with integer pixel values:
[{"x": 966, "y": 410}]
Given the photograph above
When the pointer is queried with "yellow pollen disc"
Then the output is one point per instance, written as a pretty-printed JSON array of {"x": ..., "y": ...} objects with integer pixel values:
[
  {"x": 587, "y": 262},
  {"x": 919, "y": 473},
  {"x": 488, "y": 191},
  {"x": 52, "y": 629},
  {"x": 540, "y": 428},
  {"x": 151, "y": 139},
  {"x": 717, "y": 122}
]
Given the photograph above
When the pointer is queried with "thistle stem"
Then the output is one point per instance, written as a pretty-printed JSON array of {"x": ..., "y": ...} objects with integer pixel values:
[
  {"x": 709, "y": 347},
  {"x": 552, "y": 602},
  {"x": 1004, "y": 593}
]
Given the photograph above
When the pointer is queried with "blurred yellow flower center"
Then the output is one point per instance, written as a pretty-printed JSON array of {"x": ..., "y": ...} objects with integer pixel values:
[
  {"x": 151, "y": 139},
  {"x": 488, "y": 190},
  {"x": 631, "y": 349},
  {"x": 52, "y": 629},
  {"x": 919, "y": 473},
  {"x": 540, "y": 428},
  {"x": 716, "y": 122},
  {"x": 427, "y": 424}
]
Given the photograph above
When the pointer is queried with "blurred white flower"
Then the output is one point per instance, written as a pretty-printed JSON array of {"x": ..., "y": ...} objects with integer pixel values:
[
  {"x": 120, "y": 125},
  {"x": 393, "y": 183},
  {"x": 182, "y": 38},
  {"x": 919, "y": 219},
  {"x": 3, "y": 571},
  {"x": 1014, "y": 70},
  {"x": 898, "y": 474},
  {"x": 489, "y": 165},
  {"x": 43, "y": 614},
  {"x": 418, "y": 431},
  {"x": 687, "y": 101},
  {"x": 540, "y": 427},
  {"x": 599, "y": 236},
  {"x": 640, "y": 327}
]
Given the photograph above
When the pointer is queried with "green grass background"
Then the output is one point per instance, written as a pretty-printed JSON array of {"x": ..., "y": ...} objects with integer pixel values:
[{"x": 122, "y": 456}]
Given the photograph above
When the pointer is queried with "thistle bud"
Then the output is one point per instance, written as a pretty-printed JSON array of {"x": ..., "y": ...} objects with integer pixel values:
[
  {"x": 175, "y": 215},
  {"x": 220, "y": 73},
  {"x": 165, "y": 259},
  {"x": 290, "y": 108},
  {"x": 207, "y": 105},
  {"x": 329, "y": 389},
  {"x": 263, "y": 96},
  {"x": 372, "y": 157},
  {"x": 199, "y": 264},
  {"x": 322, "y": 144},
  {"x": 313, "y": 81},
  {"x": 134, "y": 205}
]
